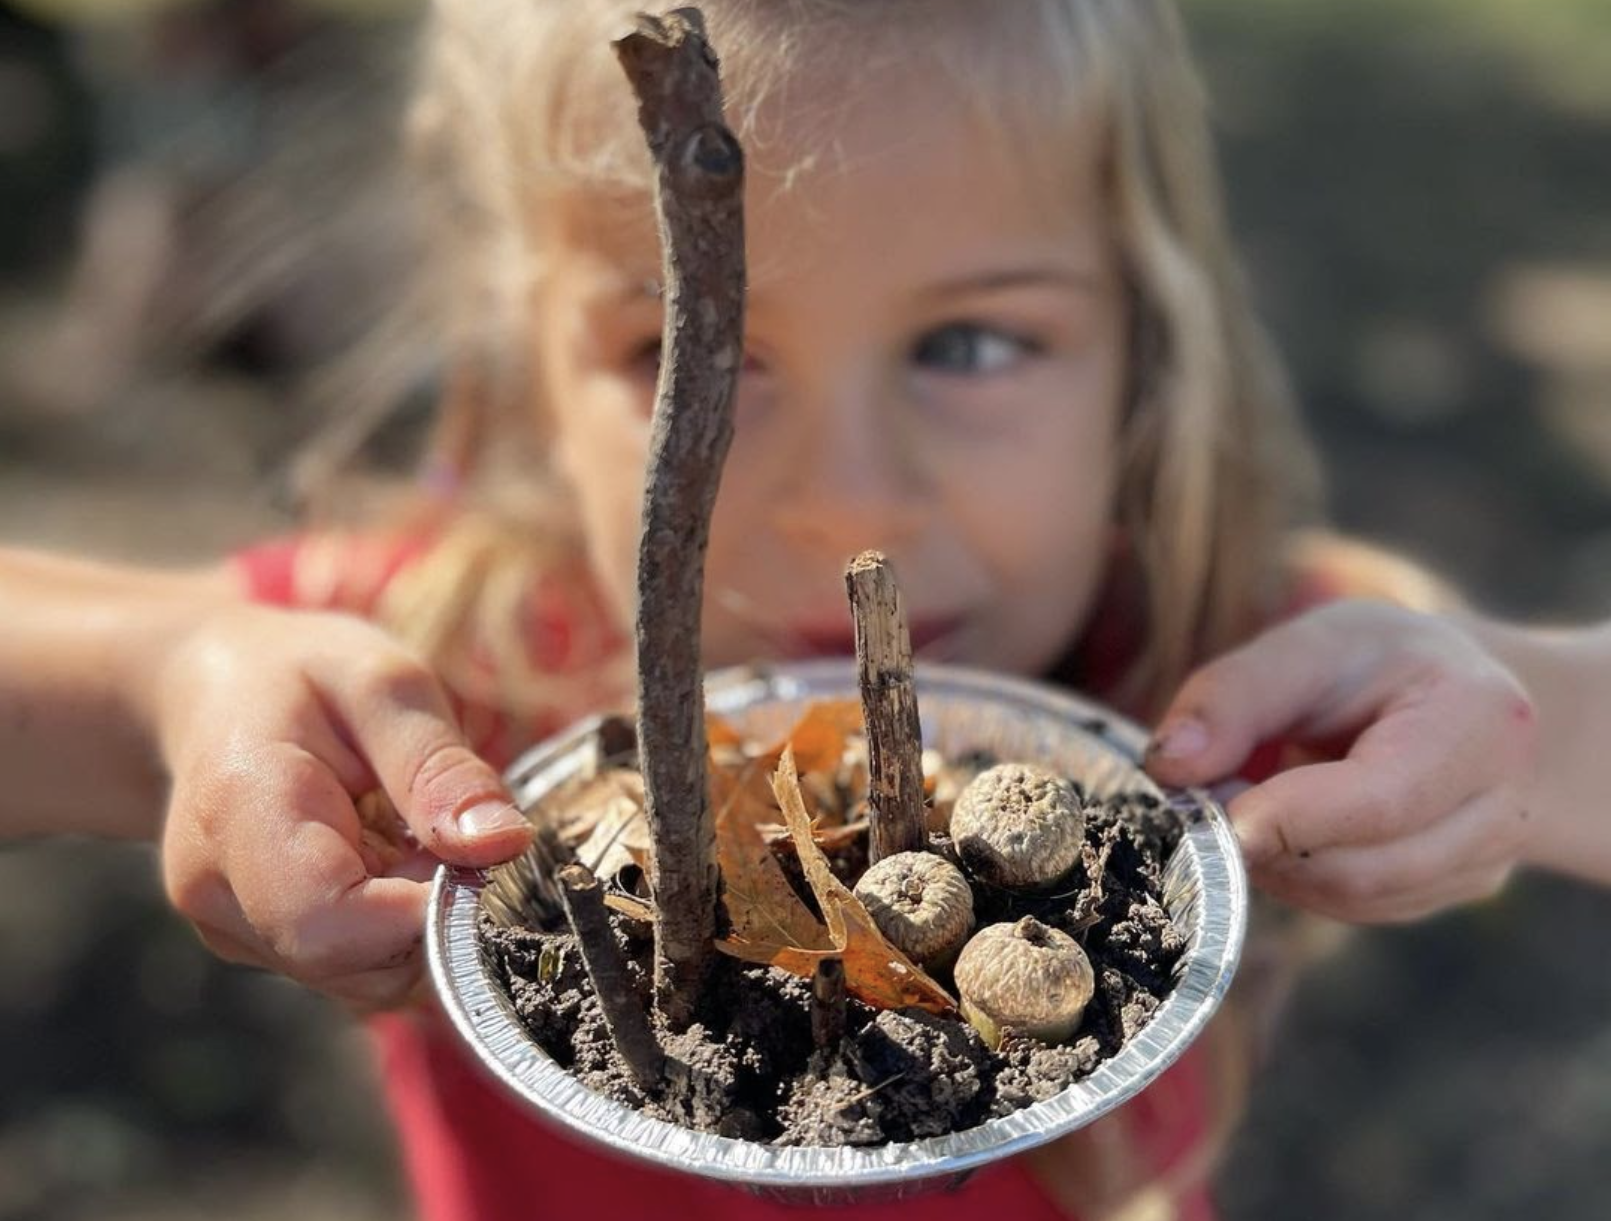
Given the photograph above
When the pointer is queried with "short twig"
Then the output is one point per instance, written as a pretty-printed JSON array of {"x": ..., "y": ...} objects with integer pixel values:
[
  {"x": 628, "y": 1022},
  {"x": 828, "y": 1006},
  {"x": 867, "y": 1093},
  {"x": 889, "y": 704}
]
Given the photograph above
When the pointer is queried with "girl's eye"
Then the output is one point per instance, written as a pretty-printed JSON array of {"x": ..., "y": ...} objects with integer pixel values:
[
  {"x": 645, "y": 360},
  {"x": 969, "y": 349}
]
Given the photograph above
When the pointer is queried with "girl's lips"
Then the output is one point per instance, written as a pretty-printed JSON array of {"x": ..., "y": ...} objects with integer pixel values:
[{"x": 928, "y": 635}]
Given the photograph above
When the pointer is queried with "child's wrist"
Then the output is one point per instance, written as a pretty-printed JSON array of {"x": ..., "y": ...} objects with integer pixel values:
[
  {"x": 162, "y": 658},
  {"x": 147, "y": 638},
  {"x": 82, "y": 643},
  {"x": 1567, "y": 674}
]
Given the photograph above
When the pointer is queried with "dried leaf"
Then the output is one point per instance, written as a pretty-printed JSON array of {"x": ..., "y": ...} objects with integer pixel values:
[
  {"x": 720, "y": 732},
  {"x": 630, "y": 905},
  {"x": 764, "y": 914},
  {"x": 875, "y": 970},
  {"x": 609, "y": 809},
  {"x": 830, "y": 839},
  {"x": 741, "y": 794},
  {"x": 819, "y": 737}
]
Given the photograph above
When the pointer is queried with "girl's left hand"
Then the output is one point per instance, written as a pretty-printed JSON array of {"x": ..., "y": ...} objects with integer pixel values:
[{"x": 1409, "y": 754}]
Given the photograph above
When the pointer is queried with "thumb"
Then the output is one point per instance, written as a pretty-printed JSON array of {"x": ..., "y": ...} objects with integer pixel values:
[
  {"x": 452, "y": 800},
  {"x": 1278, "y": 682}
]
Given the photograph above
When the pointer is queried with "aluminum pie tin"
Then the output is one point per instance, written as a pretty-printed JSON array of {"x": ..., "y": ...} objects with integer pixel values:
[{"x": 1205, "y": 891}]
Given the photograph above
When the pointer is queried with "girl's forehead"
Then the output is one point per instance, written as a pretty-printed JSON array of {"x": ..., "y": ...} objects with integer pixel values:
[
  {"x": 917, "y": 152},
  {"x": 815, "y": 90}
]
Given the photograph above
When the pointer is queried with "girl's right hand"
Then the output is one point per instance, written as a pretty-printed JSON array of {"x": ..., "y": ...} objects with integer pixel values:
[
  {"x": 274, "y": 725},
  {"x": 1412, "y": 752}
]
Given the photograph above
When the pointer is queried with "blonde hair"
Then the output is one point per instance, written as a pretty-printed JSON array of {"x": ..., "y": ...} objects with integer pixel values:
[{"x": 521, "y": 104}]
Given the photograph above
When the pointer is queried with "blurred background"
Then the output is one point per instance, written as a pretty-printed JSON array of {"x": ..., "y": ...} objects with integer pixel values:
[{"x": 200, "y": 217}]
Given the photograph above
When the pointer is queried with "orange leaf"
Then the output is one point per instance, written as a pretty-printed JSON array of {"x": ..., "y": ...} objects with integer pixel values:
[
  {"x": 740, "y": 793},
  {"x": 819, "y": 737},
  {"x": 767, "y": 918},
  {"x": 720, "y": 732},
  {"x": 875, "y": 970}
]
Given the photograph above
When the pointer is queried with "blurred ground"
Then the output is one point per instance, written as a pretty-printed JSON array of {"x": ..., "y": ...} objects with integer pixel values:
[{"x": 1424, "y": 188}]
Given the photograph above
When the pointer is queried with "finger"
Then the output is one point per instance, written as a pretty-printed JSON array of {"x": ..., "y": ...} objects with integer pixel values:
[
  {"x": 453, "y": 801},
  {"x": 382, "y": 989},
  {"x": 417, "y": 866},
  {"x": 403, "y": 987},
  {"x": 324, "y": 918},
  {"x": 1455, "y": 859},
  {"x": 363, "y": 949},
  {"x": 366, "y": 991},
  {"x": 330, "y": 746},
  {"x": 1458, "y": 889},
  {"x": 195, "y": 875},
  {"x": 1424, "y": 758},
  {"x": 1295, "y": 676},
  {"x": 232, "y": 948},
  {"x": 262, "y": 854},
  {"x": 289, "y": 850}
]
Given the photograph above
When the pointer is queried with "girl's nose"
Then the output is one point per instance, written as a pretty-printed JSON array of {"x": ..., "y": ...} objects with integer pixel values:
[{"x": 852, "y": 476}]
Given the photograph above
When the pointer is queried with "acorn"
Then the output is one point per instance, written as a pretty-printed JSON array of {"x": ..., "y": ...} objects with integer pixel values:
[
  {"x": 1018, "y": 826},
  {"x": 921, "y": 903},
  {"x": 1025, "y": 977}
]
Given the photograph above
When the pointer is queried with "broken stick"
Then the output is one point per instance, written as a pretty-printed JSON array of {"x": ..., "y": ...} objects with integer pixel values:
[
  {"x": 898, "y": 819},
  {"x": 583, "y": 898},
  {"x": 828, "y": 1007},
  {"x": 699, "y": 197}
]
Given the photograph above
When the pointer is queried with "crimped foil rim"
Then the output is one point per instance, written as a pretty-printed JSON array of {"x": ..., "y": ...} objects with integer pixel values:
[{"x": 1205, "y": 887}]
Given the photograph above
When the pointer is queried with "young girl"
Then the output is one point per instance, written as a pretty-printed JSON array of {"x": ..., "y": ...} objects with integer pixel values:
[{"x": 995, "y": 330}]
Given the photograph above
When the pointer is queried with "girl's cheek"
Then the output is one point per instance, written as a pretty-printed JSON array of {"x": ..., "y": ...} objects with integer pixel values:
[{"x": 599, "y": 443}]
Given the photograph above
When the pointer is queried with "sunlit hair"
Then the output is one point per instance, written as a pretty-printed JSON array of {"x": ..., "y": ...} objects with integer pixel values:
[{"x": 522, "y": 105}]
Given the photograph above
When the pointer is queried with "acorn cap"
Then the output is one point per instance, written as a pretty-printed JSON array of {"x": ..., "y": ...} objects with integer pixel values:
[
  {"x": 1026, "y": 977},
  {"x": 921, "y": 903},
  {"x": 1018, "y": 826}
]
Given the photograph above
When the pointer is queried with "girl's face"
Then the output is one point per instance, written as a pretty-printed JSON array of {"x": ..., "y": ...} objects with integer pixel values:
[{"x": 935, "y": 366}]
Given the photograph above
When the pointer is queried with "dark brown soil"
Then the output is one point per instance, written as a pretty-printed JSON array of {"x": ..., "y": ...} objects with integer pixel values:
[{"x": 749, "y": 1068}]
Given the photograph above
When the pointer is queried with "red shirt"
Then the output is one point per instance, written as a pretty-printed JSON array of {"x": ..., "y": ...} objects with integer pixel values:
[{"x": 473, "y": 1153}]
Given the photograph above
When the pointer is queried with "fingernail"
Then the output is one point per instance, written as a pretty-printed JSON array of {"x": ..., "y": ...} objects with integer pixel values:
[
  {"x": 491, "y": 817},
  {"x": 1180, "y": 739}
]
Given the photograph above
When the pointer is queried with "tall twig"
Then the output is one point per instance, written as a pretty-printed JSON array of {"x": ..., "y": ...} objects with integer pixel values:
[
  {"x": 899, "y": 822},
  {"x": 699, "y": 184},
  {"x": 629, "y": 1025}
]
